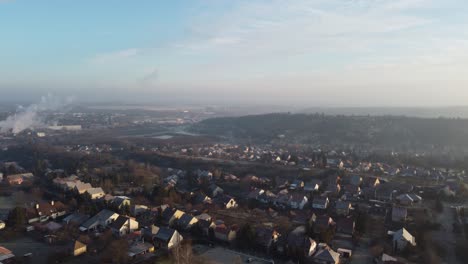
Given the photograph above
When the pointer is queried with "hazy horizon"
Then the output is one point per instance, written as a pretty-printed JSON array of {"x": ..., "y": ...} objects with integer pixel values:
[{"x": 317, "y": 53}]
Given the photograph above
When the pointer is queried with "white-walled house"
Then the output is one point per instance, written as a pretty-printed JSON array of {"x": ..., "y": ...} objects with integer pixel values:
[{"x": 123, "y": 225}]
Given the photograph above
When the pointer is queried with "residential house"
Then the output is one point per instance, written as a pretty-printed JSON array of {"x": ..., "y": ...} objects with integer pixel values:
[
  {"x": 138, "y": 209},
  {"x": 14, "y": 179},
  {"x": 226, "y": 202},
  {"x": 18, "y": 179},
  {"x": 66, "y": 184},
  {"x": 385, "y": 192},
  {"x": 299, "y": 244},
  {"x": 320, "y": 203},
  {"x": 175, "y": 216},
  {"x": 225, "y": 233},
  {"x": 204, "y": 223},
  {"x": 214, "y": 190},
  {"x": 408, "y": 199},
  {"x": 204, "y": 175},
  {"x": 167, "y": 214},
  {"x": 401, "y": 239},
  {"x": 399, "y": 214},
  {"x": 352, "y": 190},
  {"x": 312, "y": 185},
  {"x": 166, "y": 238},
  {"x": 342, "y": 207},
  {"x": 296, "y": 184},
  {"x": 200, "y": 198},
  {"x": 370, "y": 182},
  {"x": 123, "y": 225},
  {"x": 185, "y": 222},
  {"x": 44, "y": 211},
  {"x": 282, "y": 200},
  {"x": 82, "y": 187},
  {"x": 254, "y": 193},
  {"x": 298, "y": 201},
  {"x": 101, "y": 220},
  {"x": 140, "y": 248},
  {"x": 75, "y": 219},
  {"x": 266, "y": 237},
  {"x": 95, "y": 193},
  {"x": 322, "y": 223},
  {"x": 120, "y": 202},
  {"x": 78, "y": 248}
]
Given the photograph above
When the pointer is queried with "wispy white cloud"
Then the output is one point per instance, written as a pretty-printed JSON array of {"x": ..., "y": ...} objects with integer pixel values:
[{"x": 272, "y": 28}]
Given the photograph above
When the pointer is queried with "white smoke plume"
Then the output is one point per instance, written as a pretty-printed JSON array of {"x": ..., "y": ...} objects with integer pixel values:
[{"x": 30, "y": 117}]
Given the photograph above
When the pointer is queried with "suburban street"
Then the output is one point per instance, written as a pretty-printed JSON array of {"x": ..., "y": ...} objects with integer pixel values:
[{"x": 445, "y": 235}]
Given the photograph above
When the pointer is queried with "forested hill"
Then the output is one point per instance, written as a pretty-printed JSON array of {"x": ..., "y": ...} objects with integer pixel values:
[{"x": 324, "y": 129}]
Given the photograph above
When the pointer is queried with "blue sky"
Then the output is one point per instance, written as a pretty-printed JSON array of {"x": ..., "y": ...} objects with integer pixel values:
[{"x": 314, "y": 52}]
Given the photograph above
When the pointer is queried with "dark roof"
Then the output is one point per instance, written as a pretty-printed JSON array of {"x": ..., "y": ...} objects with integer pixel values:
[
  {"x": 342, "y": 205},
  {"x": 368, "y": 181},
  {"x": 184, "y": 220},
  {"x": 119, "y": 222},
  {"x": 167, "y": 213},
  {"x": 320, "y": 200},
  {"x": 164, "y": 234},
  {"x": 345, "y": 225},
  {"x": 118, "y": 201}
]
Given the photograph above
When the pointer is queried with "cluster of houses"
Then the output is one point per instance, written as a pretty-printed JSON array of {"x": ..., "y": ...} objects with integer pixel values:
[
  {"x": 323, "y": 213},
  {"x": 314, "y": 158},
  {"x": 73, "y": 184}
]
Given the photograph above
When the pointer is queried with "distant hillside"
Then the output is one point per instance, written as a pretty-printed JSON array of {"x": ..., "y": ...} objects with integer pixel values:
[
  {"x": 423, "y": 112},
  {"x": 323, "y": 129}
]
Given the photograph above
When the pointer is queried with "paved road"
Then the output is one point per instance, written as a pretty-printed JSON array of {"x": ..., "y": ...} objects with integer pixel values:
[
  {"x": 19, "y": 247},
  {"x": 445, "y": 235}
]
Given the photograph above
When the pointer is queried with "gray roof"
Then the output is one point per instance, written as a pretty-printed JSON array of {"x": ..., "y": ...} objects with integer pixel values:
[
  {"x": 76, "y": 218},
  {"x": 103, "y": 215}
]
